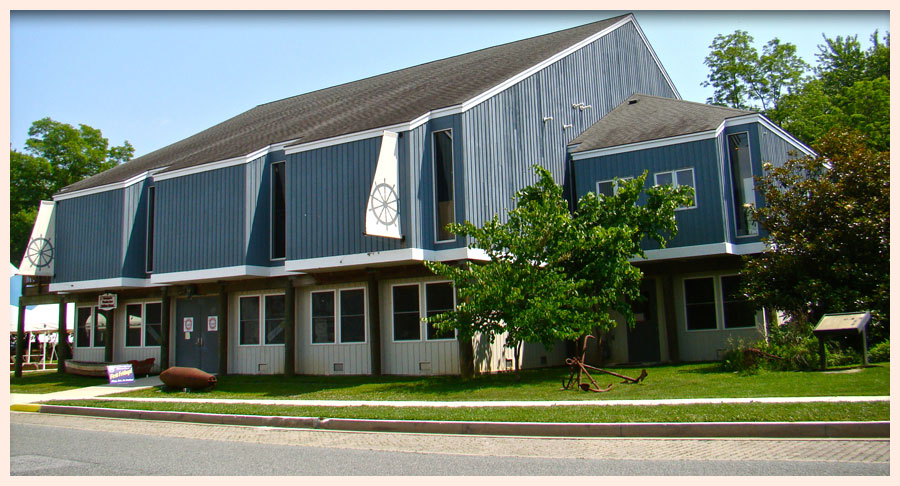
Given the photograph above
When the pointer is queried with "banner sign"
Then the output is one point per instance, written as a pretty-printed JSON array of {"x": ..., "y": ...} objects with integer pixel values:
[
  {"x": 383, "y": 207},
  {"x": 120, "y": 373},
  {"x": 107, "y": 301}
]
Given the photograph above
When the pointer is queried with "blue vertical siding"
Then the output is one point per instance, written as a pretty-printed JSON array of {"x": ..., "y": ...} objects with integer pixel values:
[
  {"x": 698, "y": 226},
  {"x": 200, "y": 221},
  {"x": 328, "y": 190},
  {"x": 257, "y": 204},
  {"x": 89, "y": 237},
  {"x": 774, "y": 149},
  {"x": 505, "y": 135},
  {"x": 134, "y": 234}
]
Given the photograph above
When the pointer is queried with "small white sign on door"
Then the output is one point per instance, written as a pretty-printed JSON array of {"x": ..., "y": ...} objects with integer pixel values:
[
  {"x": 188, "y": 324},
  {"x": 212, "y": 323}
]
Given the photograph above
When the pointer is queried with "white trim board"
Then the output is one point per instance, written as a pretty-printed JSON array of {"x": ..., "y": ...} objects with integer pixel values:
[
  {"x": 384, "y": 258},
  {"x": 222, "y": 273},
  {"x": 101, "y": 284},
  {"x": 108, "y": 187},
  {"x": 701, "y": 250}
]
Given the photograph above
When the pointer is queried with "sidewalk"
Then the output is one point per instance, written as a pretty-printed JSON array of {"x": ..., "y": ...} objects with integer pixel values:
[{"x": 31, "y": 403}]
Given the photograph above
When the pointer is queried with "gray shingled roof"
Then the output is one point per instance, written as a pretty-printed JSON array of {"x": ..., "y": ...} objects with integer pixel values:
[
  {"x": 387, "y": 99},
  {"x": 642, "y": 118}
]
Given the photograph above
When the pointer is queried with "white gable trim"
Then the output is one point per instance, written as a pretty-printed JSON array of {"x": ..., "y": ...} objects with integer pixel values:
[
  {"x": 649, "y": 144},
  {"x": 108, "y": 187},
  {"x": 221, "y": 164},
  {"x": 787, "y": 137}
]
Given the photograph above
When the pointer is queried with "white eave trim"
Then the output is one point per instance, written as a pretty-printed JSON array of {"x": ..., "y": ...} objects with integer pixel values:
[
  {"x": 649, "y": 144},
  {"x": 224, "y": 273},
  {"x": 221, "y": 164},
  {"x": 108, "y": 187},
  {"x": 762, "y": 120},
  {"x": 101, "y": 284},
  {"x": 383, "y": 258},
  {"x": 701, "y": 250}
]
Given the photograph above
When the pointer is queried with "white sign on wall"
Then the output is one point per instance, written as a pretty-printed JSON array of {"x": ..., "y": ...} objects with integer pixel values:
[
  {"x": 212, "y": 323},
  {"x": 188, "y": 324}
]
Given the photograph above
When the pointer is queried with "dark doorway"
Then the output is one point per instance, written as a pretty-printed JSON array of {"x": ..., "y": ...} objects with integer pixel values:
[
  {"x": 197, "y": 348},
  {"x": 643, "y": 338}
]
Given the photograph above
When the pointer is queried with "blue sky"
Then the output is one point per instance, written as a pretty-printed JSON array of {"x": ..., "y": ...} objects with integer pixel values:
[{"x": 156, "y": 78}]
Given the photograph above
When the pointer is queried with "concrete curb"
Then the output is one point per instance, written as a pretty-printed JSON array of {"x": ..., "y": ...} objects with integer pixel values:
[{"x": 702, "y": 429}]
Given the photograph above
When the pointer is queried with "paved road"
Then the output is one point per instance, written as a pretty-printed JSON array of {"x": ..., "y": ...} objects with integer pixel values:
[{"x": 45, "y": 444}]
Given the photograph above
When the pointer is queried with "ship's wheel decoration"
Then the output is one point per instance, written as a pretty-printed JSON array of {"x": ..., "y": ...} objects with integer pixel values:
[
  {"x": 384, "y": 204},
  {"x": 40, "y": 252}
]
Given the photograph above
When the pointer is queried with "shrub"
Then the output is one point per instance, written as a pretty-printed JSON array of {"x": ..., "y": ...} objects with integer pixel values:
[{"x": 881, "y": 351}]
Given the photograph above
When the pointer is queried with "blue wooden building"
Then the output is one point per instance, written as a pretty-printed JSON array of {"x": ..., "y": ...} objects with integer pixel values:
[{"x": 290, "y": 238}]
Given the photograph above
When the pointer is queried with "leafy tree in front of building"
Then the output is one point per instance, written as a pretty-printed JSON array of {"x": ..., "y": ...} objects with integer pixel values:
[
  {"x": 556, "y": 274},
  {"x": 828, "y": 234},
  {"x": 56, "y": 155}
]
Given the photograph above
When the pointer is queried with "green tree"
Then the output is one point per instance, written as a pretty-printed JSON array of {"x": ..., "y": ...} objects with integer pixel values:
[
  {"x": 57, "y": 155},
  {"x": 744, "y": 79},
  {"x": 554, "y": 274},
  {"x": 828, "y": 233}
]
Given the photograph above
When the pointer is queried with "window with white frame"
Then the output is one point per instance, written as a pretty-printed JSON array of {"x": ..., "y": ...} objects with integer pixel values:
[
  {"x": 676, "y": 178},
  {"x": 442, "y": 152},
  {"x": 261, "y": 320},
  {"x": 742, "y": 183},
  {"x": 346, "y": 308},
  {"x": 610, "y": 187},
  {"x": 409, "y": 316},
  {"x": 101, "y": 320},
  {"x": 273, "y": 312},
  {"x": 84, "y": 326},
  {"x": 143, "y": 324},
  {"x": 716, "y": 303},
  {"x": 738, "y": 311},
  {"x": 439, "y": 298}
]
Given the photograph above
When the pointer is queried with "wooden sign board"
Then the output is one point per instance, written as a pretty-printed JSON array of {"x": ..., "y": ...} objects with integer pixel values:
[{"x": 850, "y": 321}]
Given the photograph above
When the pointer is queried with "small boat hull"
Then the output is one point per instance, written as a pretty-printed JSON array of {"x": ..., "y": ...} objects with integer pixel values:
[{"x": 98, "y": 368}]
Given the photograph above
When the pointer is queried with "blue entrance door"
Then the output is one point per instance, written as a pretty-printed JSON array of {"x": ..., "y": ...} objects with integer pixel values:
[{"x": 196, "y": 345}]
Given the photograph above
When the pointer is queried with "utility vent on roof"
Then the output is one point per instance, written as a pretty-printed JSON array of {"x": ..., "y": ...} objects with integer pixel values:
[{"x": 631, "y": 102}]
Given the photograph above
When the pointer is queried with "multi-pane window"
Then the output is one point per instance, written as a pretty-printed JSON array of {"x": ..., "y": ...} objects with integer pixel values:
[
  {"x": 700, "y": 303},
  {"x": 438, "y": 299},
  {"x": 277, "y": 234},
  {"x": 742, "y": 183},
  {"x": 152, "y": 324},
  {"x": 274, "y": 316},
  {"x": 151, "y": 211},
  {"x": 84, "y": 327},
  {"x": 409, "y": 316},
  {"x": 406, "y": 312},
  {"x": 258, "y": 314},
  {"x": 611, "y": 187},
  {"x": 706, "y": 297},
  {"x": 443, "y": 183},
  {"x": 353, "y": 316},
  {"x": 346, "y": 308},
  {"x": 738, "y": 310},
  {"x": 249, "y": 320},
  {"x": 101, "y": 320},
  {"x": 676, "y": 178},
  {"x": 143, "y": 321},
  {"x": 322, "y": 317}
]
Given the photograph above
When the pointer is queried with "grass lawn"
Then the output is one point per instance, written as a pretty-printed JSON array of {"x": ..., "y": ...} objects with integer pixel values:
[
  {"x": 50, "y": 381},
  {"x": 752, "y": 412},
  {"x": 698, "y": 380}
]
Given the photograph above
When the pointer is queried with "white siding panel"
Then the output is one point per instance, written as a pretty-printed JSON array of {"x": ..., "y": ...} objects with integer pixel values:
[
  {"x": 250, "y": 360},
  {"x": 319, "y": 359}
]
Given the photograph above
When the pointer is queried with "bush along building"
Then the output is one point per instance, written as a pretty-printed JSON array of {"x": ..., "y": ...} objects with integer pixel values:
[{"x": 290, "y": 238}]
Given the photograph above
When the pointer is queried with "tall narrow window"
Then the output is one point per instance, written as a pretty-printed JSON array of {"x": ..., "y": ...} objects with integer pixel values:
[
  {"x": 742, "y": 182},
  {"x": 83, "y": 327},
  {"x": 151, "y": 213},
  {"x": 322, "y": 317},
  {"x": 738, "y": 310},
  {"x": 277, "y": 234},
  {"x": 152, "y": 324},
  {"x": 101, "y": 320},
  {"x": 406, "y": 312},
  {"x": 249, "y": 320},
  {"x": 700, "y": 303},
  {"x": 134, "y": 317},
  {"x": 353, "y": 316},
  {"x": 274, "y": 319},
  {"x": 443, "y": 183},
  {"x": 438, "y": 299}
]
